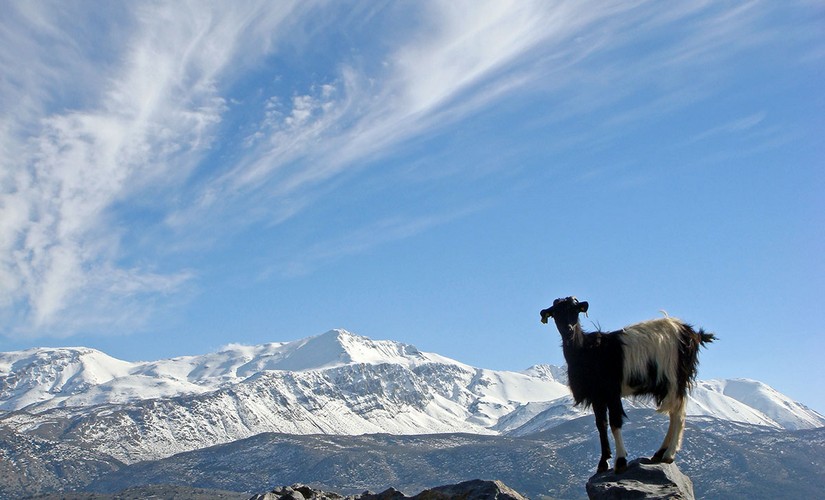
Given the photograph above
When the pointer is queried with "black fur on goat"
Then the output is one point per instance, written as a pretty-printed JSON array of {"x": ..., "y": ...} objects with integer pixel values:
[{"x": 656, "y": 359}]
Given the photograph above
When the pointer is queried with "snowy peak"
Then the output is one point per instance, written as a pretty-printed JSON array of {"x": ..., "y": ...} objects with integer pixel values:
[
  {"x": 779, "y": 408},
  {"x": 330, "y": 350},
  {"x": 548, "y": 372},
  {"x": 323, "y": 351},
  {"x": 36, "y": 375},
  {"x": 340, "y": 347},
  {"x": 362, "y": 350}
]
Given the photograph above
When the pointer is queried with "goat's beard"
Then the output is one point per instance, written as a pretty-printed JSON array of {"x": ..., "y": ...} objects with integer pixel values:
[{"x": 574, "y": 335}]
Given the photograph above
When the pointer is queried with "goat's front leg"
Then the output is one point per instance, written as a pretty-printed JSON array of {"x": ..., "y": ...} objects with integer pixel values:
[
  {"x": 616, "y": 419},
  {"x": 600, "y": 410}
]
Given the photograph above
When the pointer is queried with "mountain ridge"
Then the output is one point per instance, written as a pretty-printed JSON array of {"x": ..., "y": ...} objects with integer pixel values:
[{"x": 335, "y": 383}]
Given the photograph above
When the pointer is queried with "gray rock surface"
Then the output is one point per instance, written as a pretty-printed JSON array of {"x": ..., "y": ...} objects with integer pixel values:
[
  {"x": 643, "y": 479},
  {"x": 469, "y": 490},
  {"x": 472, "y": 490}
]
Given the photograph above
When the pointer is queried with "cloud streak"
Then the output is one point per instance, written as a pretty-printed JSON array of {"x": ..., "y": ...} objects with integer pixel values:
[
  {"x": 461, "y": 58},
  {"x": 361, "y": 240},
  {"x": 148, "y": 125}
]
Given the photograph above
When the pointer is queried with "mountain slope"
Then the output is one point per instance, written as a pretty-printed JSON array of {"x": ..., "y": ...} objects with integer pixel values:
[
  {"x": 724, "y": 460},
  {"x": 781, "y": 409},
  {"x": 30, "y": 466},
  {"x": 743, "y": 462},
  {"x": 344, "y": 400},
  {"x": 36, "y": 376}
]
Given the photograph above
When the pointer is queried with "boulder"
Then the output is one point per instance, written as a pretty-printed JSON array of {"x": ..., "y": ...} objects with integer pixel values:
[
  {"x": 468, "y": 490},
  {"x": 471, "y": 490},
  {"x": 643, "y": 479},
  {"x": 297, "y": 492},
  {"x": 388, "y": 494}
]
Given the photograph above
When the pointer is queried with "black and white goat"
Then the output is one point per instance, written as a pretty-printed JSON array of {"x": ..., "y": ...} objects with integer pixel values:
[{"x": 656, "y": 358}]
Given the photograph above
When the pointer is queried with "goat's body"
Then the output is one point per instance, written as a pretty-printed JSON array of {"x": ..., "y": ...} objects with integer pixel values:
[
  {"x": 659, "y": 361},
  {"x": 656, "y": 359}
]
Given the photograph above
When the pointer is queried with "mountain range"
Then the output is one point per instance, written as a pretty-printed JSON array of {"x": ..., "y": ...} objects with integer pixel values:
[{"x": 59, "y": 402}]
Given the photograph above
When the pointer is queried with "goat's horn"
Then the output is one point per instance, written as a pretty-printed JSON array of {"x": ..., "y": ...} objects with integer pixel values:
[{"x": 546, "y": 313}]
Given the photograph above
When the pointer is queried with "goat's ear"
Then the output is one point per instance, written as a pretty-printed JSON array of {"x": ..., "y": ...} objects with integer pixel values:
[
  {"x": 583, "y": 307},
  {"x": 546, "y": 313}
]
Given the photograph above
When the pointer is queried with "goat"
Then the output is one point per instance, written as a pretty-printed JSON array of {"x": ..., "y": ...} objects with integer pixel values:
[{"x": 656, "y": 358}]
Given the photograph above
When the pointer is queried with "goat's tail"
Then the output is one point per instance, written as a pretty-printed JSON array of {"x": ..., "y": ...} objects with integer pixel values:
[
  {"x": 688, "y": 359},
  {"x": 704, "y": 337}
]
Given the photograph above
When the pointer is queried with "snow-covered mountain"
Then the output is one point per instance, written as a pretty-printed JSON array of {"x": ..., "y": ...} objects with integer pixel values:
[
  {"x": 335, "y": 383},
  {"x": 44, "y": 378},
  {"x": 780, "y": 409}
]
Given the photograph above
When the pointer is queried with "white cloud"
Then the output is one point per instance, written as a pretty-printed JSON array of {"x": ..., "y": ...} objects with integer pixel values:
[
  {"x": 462, "y": 57},
  {"x": 453, "y": 65},
  {"x": 143, "y": 122},
  {"x": 737, "y": 126},
  {"x": 360, "y": 240}
]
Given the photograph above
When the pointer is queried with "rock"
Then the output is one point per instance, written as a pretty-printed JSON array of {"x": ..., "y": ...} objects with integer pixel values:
[
  {"x": 468, "y": 490},
  {"x": 297, "y": 492},
  {"x": 643, "y": 479},
  {"x": 471, "y": 490},
  {"x": 388, "y": 494},
  {"x": 265, "y": 496}
]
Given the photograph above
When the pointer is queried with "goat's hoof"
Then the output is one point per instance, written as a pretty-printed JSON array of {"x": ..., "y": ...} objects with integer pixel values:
[
  {"x": 621, "y": 465},
  {"x": 602, "y": 466},
  {"x": 667, "y": 460},
  {"x": 657, "y": 457}
]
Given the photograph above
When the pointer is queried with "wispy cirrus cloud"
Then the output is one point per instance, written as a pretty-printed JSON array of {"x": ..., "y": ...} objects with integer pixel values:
[
  {"x": 461, "y": 50},
  {"x": 91, "y": 128},
  {"x": 464, "y": 56},
  {"x": 461, "y": 57},
  {"x": 362, "y": 239}
]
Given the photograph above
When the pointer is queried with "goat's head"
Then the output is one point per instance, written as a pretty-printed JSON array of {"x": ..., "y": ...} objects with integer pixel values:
[{"x": 565, "y": 311}]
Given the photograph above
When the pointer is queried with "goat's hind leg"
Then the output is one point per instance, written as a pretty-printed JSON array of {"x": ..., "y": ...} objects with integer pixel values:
[
  {"x": 600, "y": 411},
  {"x": 677, "y": 421},
  {"x": 660, "y": 453},
  {"x": 673, "y": 438}
]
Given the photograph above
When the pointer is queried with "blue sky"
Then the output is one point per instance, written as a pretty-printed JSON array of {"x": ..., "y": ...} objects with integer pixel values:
[{"x": 179, "y": 176}]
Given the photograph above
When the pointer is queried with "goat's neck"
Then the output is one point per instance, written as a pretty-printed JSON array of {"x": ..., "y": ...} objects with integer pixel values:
[{"x": 572, "y": 335}]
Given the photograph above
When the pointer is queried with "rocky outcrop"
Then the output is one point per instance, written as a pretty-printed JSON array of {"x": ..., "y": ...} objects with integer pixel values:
[
  {"x": 468, "y": 490},
  {"x": 472, "y": 490},
  {"x": 643, "y": 479}
]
